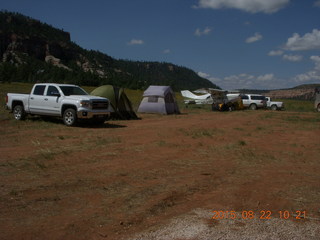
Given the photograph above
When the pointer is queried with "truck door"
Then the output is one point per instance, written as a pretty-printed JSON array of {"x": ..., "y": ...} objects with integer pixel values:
[
  {"x": 52, "y": 101},
  {"x": 36, "y": 99}
]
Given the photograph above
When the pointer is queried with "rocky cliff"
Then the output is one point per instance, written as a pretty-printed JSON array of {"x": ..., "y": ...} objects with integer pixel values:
[{"x": 35, "y": 51}]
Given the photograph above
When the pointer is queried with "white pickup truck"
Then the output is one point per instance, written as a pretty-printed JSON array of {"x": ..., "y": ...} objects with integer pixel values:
[
  {"x": 60, "y": 100},
  {"x": 274, "y": 105}
]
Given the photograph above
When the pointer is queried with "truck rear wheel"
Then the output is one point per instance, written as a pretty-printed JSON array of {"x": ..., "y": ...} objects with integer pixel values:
[
  {"x": 253, "y": 106},
  {"x": 69, "y": 117},
  {"x": 19, "y": 113}
]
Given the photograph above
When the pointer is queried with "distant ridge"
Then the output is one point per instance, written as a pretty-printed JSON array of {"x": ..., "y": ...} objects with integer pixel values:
[
  {"x": 301, "y": 92},
  {"x": 32, "y": 51}
]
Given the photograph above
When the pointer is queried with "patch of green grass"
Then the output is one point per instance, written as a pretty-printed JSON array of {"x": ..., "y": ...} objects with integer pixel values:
[
  {"x": 185, "y": 163},
  {"x": 61, "y": 137},
  {"x": 297, "y": 119},
  {"x": 201, "y": 132},
  {"x": 292, "y": 118},
  {"x": 238, "y": 129},
  {"x": 234, "y": 146},
  {"x": 47, "y": 153},
  {"x": 267, "y": 115},
  {"x": 36, "y": 142},
  {"x": 297, "y": 105},
  {"x": 161, "y": 143},
  {"x": 259, "y": 128},
  {"x": 40, "y": 164},
  {"x": 106, "y": 140},
  {"x": 14, "y": 192},
  {"x": 139, "y": 148}
]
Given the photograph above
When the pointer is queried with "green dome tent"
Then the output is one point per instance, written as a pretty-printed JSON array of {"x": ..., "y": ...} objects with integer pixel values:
[{"x": 119, "y": 101}]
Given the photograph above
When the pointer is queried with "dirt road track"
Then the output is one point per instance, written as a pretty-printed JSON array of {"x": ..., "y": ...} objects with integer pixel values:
[{"x": 160, "y": 177}]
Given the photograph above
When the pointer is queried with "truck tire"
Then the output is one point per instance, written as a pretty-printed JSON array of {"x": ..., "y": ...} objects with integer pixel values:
[
  {"x": 253, "y": 106},
  {"x": 69, "y": 117},
  {"x": 274, "y": 107},
  {"x": 19, "y": 113}
]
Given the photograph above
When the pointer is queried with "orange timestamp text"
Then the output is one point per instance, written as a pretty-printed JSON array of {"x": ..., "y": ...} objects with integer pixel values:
[{"x": 262, "y": 214}]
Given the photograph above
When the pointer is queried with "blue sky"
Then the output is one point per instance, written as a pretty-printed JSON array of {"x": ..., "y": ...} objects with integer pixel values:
[{"x": 257, "y": 44}]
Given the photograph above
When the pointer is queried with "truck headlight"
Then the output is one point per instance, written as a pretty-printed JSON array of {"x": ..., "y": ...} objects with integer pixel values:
[{"x": 85, "y": 104}]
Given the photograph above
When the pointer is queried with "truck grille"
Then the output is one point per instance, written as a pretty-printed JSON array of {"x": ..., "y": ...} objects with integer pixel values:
[{"x": 100, "y": 104}]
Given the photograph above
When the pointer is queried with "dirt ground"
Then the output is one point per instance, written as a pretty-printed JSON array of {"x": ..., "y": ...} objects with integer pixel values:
[{"x": 163, "y": 177}]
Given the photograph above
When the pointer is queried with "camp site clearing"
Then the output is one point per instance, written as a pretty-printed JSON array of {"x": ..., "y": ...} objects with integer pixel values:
[{"x": 197, "y": 175}]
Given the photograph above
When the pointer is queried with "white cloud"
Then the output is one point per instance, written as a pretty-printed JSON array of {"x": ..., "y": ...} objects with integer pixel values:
[
  {"x": 200, "y": 33},
  {"x": 203, "y": 75},
  {"x": 270, "y": 81},
  {"x": 309, "y": 41},
  {"x": 249, "y": 81},
  {"x": 275, "y": 53},
  {"x": 252, "y": 6},
  {"x": 317, "y": 3},
  {"x": 256, "y": 37},
  {"x": 266, "y": 77},
  {"x": 242, "y": 80},
  {"x": 166, "y": 51},
  {"x": 316, "y": 60},
  {"x": 312, "y": 76},
  {"x": 308, "y": 77},
  {"x": 292, "y": 58},
  {"x": 265, "y": 81},
  {"x": 136, "y": 42}
]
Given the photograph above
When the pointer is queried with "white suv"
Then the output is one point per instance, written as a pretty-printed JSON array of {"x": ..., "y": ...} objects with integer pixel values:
[{"x": 253, "y": 101}]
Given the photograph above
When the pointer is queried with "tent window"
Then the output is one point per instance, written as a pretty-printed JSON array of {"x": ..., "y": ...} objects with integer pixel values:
[
  {"x": 169, "y": 98},
  {"x": 152, "y": 99}
]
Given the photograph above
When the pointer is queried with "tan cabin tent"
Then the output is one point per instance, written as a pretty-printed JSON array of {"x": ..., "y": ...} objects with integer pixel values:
[{"x": 159, "y": 99}]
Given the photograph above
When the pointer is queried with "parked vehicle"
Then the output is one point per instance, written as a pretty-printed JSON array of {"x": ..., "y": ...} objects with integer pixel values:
[
  {"x": 317, "y": 99},
  {"x": 253, "y": 101},
  {"x": 226, "y": 102},
  {"x": 60, "y": 100},
  {"x": 274, "y": 105}
]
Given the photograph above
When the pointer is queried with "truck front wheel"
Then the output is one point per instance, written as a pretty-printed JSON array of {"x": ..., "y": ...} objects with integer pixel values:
[
  {"x": 19, "y": 113},
  {"x": 69, "y": 117}
]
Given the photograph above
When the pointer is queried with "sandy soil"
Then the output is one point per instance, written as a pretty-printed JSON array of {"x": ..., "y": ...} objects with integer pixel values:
[{"x": 162, "y": 177}]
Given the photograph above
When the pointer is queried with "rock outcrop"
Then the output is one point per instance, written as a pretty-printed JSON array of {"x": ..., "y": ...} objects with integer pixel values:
[{"x": 302, "y": 93}]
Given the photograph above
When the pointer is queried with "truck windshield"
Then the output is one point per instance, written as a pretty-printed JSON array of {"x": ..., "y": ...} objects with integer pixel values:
[{"x": 72, "y": 90}]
